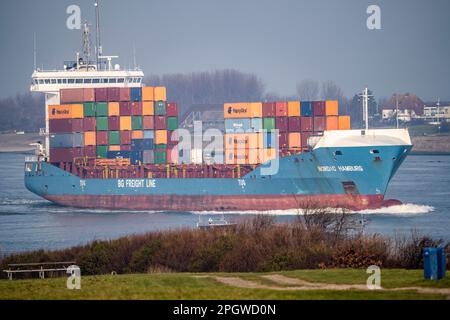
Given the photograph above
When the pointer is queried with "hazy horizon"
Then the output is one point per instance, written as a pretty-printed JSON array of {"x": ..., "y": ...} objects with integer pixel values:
[{"x": 281, "y": 42}]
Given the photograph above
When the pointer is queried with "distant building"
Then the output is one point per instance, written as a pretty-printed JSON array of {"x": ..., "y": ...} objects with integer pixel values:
[
  {"x": 406, "y": 106},
  {"x": 434, "y": 113}
]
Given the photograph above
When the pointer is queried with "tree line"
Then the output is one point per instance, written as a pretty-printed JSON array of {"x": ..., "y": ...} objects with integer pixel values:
[{"x": 26, "y": 111}]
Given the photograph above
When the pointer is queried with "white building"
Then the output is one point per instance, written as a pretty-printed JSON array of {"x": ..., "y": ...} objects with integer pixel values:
[
  {"x": 405, "y": 115},
  {"x": 436, "y": 114}
]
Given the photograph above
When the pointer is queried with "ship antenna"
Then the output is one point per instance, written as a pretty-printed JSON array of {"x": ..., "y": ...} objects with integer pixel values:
[
  {"x": 134, "y": 56},
  {"x": 396, "y": 109},
  {"x": 98, "y": 46},
  {"x": 365, "y": 102},
  {"x": 34, "y": 51},
  {"x": 87, "y": 43}
]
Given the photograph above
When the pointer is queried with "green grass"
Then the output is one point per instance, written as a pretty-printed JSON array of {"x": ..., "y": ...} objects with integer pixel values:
[{"x": 189, "y": 286}]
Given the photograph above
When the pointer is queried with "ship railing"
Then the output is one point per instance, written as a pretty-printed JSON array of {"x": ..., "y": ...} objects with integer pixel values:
[{"x": 31, "y": 159}]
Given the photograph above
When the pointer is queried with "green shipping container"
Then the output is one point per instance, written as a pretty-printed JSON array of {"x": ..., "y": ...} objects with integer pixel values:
[
  {"x": 89, "y": 109},
  {"x": 101, "y": 109},
  {"x": 114, "y": 138},
  {"x": 102, "y": 151},
  {"x": 136, "y": 122},
  {"x": 102, "y": 123},
  {"x": 160, "y": 108},
  {"x": 172, "y": 123},
  {"x": 161, "y": 146},
  {"x": 269, "y": 123},
  {"x": 160, "y": 157}
]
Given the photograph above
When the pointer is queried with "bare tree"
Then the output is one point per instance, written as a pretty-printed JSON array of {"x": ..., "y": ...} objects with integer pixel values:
[
  {"x": 308, "y": 89},
  {"x": 331, "y": 91}
]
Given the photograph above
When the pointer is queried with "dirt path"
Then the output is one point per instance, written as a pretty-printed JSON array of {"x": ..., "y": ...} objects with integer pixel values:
[{"x": 292, "y": 284}]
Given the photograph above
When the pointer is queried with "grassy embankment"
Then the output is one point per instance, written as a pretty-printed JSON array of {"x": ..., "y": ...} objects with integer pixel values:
[{"x": 205, "y": 286}]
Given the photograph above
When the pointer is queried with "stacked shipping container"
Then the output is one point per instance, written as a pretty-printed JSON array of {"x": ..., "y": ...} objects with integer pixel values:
[
  {"x": 249, "y": 138},
  {"x": 114, "y": 123}
]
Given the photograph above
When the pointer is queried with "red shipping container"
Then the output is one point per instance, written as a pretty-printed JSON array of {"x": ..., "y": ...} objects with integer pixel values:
[
  {"x": 102, "y": 138},
  {"x": 65, "y": 125},
  {"x": 88, "y": 94},
  {"x": 294, "y": 124},
  {"x": 172, "y": 157},
  {"x": 125, "y": 108},
  {"x": 89, "y": 124},
  {"x": 319, "y": 108},
  {"x": 283, "y": 140},
  {"x": 320, "y": 124},
  {"x": 125, "y": 137},
  {"x": 71, "y": 96},
  {"x": 172, "y": 109},
  {"x": 306, "y": 124},
  {"x": 125, "y": 147},
  {"x": 90, "y": 151},
  {"x": 160, "y": 123},
  {"x": 268, "y": 109},
  {"x": 65, "y": 154},
  {"x": 114, "y": 123},
  {"x": 136, "y": 108},
  {"x": 101, "y": 94},
  {"x": 305, "y": 136},
  {"x": 172, "y": 137},
  {"x": 113, "y": 94},
  {"x": 148, "y": 122},
  {"x": 281, "y": 109},
  {"x": 124, "y": 94},
  {"x": 281, "y": 123}
]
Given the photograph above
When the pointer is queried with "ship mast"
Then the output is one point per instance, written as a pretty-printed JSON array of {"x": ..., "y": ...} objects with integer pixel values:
[
  {"x": 98, "y": 46},
  {"x": 365, "y": 104}
]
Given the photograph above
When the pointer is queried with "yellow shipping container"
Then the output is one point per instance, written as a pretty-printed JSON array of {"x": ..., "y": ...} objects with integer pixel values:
[
  {"x": 344, "y": 123},
  {"x": 243, "y": 140},
  {"x": 148, "y": 108},
  {"x": 148, "y": 94},
  {"x": 160, "y": 136},
  {"x": 113, "y": 109},
  {"x": 90, "y": 138},
  {"x": 331, "y": 108},
  {"x": 160, "y": 94},
  {"x": 137, "y": 134},
  {"x": 294, "y": 108},
  {"x": 114, "y": 148},
  {"x": 237, "y": 110},
  {"x": 65, "y": 111},
  {"x": 125, "y": 123}
]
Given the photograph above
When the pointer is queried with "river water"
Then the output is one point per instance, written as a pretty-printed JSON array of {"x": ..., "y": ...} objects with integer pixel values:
[{"x": 28, "y": 222}]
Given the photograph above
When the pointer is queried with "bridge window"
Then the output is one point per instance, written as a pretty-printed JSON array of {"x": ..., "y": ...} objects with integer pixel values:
[
  {"x": 41, "y": 81},
  {"x": 103, "y": 80},
  {"x": 112, "y": 80},
  {"x": 87, "y": 80},
  {"x": 64, "y": 80},
  {"x": 95, "y": 80},
  {"x": 59, "y": 81},
  {"x": 53, "y": 81},
  {"x": 79, "y": 81},
  {"x": 120, "y": 80},
  {"x": 71, "y": 81}
]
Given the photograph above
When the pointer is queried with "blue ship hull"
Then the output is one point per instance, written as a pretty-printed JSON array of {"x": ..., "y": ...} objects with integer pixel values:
[{"x": 353, "y": 177}]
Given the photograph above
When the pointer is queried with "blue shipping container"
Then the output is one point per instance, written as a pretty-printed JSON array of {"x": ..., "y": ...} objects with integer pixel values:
[
  {"x": 306, "y": 109},
  {"x": 256, "y": 124},
  {"x": 118, "y": 154},
  {"x": 136, "y": 157},
  {"x": 147, "y": 144},
  {"x": 67, "y": 140},
  {"x": 136, "y": 94},
  {"x": 269, "y": 140},
  {"x": 149, "y": 134},
  {"x": 137, "y": 144},
  {"x": 237, "y": 125}
]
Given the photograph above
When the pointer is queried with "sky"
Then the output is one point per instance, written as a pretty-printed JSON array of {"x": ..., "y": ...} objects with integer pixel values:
[{"x": 282, "y": 42}]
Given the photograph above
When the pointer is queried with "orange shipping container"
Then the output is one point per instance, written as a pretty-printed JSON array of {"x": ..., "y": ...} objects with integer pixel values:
[
  {"x": 90, "y": 138},
  {"x": 113, "y": 109},
  {"x": 148, "y": 94},
  {"x": 125, "y": 123},
  {"x": 66, "y": 111},
  {"x": 268, "y": 154},
  {"x": 256, "y": 109},
  {"x": 114, "y": 148},
  {"x": 332, "y": 123},
  {"x": 294, "y": 108},
  {"x": 137, "y": 134},
  {"x": 148, "y": 108},
  {"x": 344, "y": 123},
  {"x": 243, "y": 140},
  {"x": 236, "y": 156},
  {"x": 160, "y": 136},
  {"x": 331, "y": 108},
  {"x": 237, "y": 110},
  {"x": 160, "y": 94},
  {"x": 295, "y": 140}
]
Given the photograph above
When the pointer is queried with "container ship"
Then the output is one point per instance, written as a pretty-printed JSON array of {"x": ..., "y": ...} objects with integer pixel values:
[{"x": 113, "y": 143}]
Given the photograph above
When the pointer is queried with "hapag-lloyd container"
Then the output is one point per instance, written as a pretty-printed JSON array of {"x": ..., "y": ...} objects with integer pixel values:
[
  {"x": 236, "y": 125},
  {"x": 66, "y": 111},
  {"x": 242, "y": 110}
]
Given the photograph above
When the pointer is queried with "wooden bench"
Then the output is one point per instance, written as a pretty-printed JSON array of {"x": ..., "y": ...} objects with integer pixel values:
[{"x": 39, "y": 267}]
